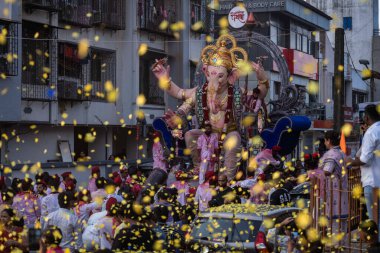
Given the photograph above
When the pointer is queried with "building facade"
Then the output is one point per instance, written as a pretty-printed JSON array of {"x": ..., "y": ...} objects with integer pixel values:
[{"x": 56, "y": 106}]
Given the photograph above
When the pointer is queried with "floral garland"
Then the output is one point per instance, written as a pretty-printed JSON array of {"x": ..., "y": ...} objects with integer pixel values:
[{"x": 206, "y": 111}]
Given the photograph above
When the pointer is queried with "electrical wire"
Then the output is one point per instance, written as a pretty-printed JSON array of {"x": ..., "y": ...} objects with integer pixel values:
[{"x": 352, "y": 62}]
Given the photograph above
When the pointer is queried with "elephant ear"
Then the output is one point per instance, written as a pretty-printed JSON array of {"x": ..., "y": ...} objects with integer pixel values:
[{"x": 233, "y": 76}]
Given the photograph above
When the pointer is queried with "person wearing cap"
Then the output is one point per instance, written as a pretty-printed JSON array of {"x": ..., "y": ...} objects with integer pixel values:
[
  {"x": 67, "y": 222},
  {"x": 85, "y": 207},
  {"x": 182, "y": 186},
  {"x": 123, "y": 172},
  {"x": 204, "y": 191},
  {"x": 207, "y": 145},
  {"x": 27, "y": 203},
  {"x": 137, "y": 234},
  {"x": 95, "y": 173},
  {"x": 51, "y": 238},
  {"x": 66, "y": 176},
  {"x": 49, "y": 203},
  {"x": 106, "y": 225}
]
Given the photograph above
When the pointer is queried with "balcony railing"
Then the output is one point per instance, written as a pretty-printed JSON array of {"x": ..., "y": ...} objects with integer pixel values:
[
  {"x": 155, "y": 96},
  {"x": 72, "y": 73},
  {"x": 9, "y": 50},
  {"x": 376, "y": 32},
  {"x": 109, "y": 13},
  {"x": 200, "y": 12},
  {"x": 76, "y": 12},
  {"x": 49, "y": 5},
  {"x": 151, "y": 13},
  {"x": 103, "y": 69},
  {"x": 38, "y": 92}
]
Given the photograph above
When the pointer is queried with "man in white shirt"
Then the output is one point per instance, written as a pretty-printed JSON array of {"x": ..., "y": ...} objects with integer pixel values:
[
  {"x": 369, "y": 160},
  {"x": 49, "y": 203},
  {"x": 66, "y": 220}
]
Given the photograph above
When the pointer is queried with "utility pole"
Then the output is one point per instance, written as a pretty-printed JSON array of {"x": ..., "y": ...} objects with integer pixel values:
[{"x": 338, "y": 86}]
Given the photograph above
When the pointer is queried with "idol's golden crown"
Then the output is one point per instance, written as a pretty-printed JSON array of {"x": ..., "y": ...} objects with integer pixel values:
[{"x": 219, "y": 55}]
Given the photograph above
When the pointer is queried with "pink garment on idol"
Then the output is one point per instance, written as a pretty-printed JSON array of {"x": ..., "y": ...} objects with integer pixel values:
[
  {"x": 333, "y": 162},
  {"x": 203, "y": 196},
  {"x": 183, "y": 190},
  {"x": 207, "y": 145},
  {"x": 265, "y": 158},
  {"x": 230, "y": 154},
  {"x": 158, "y": 156},
  {"x": 28, "y": 205},
  {"x": 92, "y": 185}
]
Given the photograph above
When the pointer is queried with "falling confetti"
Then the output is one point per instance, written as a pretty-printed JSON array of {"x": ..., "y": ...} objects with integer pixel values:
[
  {"x": 83, "y": 47},
  {"x": 143, "y": 49}
]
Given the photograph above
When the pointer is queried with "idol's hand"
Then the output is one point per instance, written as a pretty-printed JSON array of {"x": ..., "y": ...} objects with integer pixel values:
[
  {"x": 160, "y": 71},
  {"x": 260, "y": 72},
  {"x": 172, "y": 119}
]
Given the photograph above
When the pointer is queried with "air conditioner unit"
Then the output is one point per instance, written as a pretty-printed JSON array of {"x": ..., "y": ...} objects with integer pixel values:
[{"x": 68, "y": 90}]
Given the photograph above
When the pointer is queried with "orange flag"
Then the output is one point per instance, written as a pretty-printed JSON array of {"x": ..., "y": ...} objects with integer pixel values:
[{"x": 342, "y": 144}]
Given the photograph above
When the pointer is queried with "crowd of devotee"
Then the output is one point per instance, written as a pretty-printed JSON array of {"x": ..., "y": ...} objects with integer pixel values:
[{"x": 125, "y": 211}]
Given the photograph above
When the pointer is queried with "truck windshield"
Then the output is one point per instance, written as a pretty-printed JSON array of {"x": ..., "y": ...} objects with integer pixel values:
[{"x": 228, "y": 230}]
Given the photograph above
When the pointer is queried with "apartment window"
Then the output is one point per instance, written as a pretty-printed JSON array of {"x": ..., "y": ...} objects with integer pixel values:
[
  {"x": 36, "y": 57},
  {"x": 103, "y": 69},
  {"x": 148, "y": 83},
  {"x": 35, "y": 53},
  {"x": 109, "y": 13},
  {"x": 347, "y": 23},
  {"x": 358, "y": 97},
  {"x": 71, "y": 72},
  {"x": 279, "y": 36},
  {"x": 151, "y": 13},
  {"x": 9, "y": 50},
  {"x": 200, "y": 12}
]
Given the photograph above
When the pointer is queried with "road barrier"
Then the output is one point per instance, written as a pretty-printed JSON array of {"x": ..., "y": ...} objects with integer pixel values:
[{"x": 323, "y": 196}]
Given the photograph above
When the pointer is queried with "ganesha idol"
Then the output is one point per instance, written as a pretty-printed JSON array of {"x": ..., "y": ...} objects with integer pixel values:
[{"x": 219, "y": 101}]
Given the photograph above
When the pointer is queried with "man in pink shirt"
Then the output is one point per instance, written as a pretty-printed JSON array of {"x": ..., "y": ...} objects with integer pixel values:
[
  {"x": 208, "y": 144},
  {"x": 159, "y": 160},
  {"x": 27, "y": 203},
  {"x": 204, "y": 191},
  {"x": 182, "y": 187},
  {"x": 95, "y": 173}
]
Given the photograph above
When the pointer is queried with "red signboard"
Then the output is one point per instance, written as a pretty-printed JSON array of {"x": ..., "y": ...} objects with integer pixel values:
[
  {"x": 348, "y": 113},
  {"x": 301, "y": 64}
]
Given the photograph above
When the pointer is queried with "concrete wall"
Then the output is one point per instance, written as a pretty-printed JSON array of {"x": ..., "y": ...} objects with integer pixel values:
[
  {"x": 25, "y": 149},
  {"x": 376, "y": 64},
  {"x": 362, "y": 13}
]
